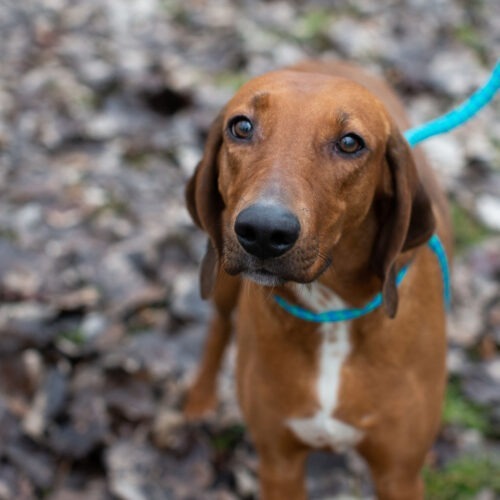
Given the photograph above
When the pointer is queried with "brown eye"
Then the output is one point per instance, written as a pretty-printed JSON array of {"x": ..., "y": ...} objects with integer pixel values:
[
  {"x": 241, "y": 128},
  {"x": 350, "y": 144}
]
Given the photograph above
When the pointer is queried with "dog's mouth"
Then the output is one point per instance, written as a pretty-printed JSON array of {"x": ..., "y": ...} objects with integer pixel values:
[
  {"x": 299, "y": 265},
  {"x": 264, "y": 277}
]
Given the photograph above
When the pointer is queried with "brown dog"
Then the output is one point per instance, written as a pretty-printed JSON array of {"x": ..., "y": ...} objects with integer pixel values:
[{"x": 308, "y": 190}]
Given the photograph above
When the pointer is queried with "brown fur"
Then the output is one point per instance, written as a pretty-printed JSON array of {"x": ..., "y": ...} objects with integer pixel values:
[{"x": 362, "y": 218}]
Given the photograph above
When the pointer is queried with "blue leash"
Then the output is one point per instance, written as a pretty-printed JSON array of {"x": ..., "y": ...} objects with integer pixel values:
[
  {"x": 459, "y": 115},
  {"x": 441, "y": 125}
]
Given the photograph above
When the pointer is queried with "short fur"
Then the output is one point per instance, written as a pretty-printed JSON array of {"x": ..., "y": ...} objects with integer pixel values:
[{"x": 362, "y": 218}]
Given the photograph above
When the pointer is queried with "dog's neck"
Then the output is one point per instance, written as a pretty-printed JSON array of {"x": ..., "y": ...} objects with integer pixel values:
[
  {"x": 350, "y": 278},
  {"x": 350, "y": 275}
]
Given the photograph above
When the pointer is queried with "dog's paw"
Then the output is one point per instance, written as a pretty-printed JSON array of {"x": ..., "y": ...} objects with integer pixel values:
[{"x": 200, "y": 402}]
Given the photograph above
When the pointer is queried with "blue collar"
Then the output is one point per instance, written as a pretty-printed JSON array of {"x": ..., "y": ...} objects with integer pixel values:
[
  {"x": 347, "y": 314},
  {"x": 445, "y": 123}
]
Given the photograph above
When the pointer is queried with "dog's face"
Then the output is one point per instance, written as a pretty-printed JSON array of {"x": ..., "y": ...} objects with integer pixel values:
[
  {"x": 297, "y": 144},
  {"x": 294, "y": 162}
]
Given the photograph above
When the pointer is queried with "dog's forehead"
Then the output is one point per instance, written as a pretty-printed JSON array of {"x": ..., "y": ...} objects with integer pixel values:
[{"x": 285, "y": 89}]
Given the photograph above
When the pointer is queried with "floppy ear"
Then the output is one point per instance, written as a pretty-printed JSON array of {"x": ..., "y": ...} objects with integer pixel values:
[
  {"x": 205, "y": 206},
  {"x": 406, "y": 219}
]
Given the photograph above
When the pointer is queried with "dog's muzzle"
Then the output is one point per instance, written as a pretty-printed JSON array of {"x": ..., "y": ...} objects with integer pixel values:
[{"x": 266, "y": 231}]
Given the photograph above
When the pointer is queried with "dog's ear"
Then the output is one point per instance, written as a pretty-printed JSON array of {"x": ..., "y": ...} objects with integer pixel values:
[
  {"x": 406, "y": 219},
  {"x": 205, "y": 205}
]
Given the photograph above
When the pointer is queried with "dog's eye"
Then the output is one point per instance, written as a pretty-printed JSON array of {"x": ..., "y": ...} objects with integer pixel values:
[
  {"x": 241, "y": 127},
  {"x": 350, "y": 144}
]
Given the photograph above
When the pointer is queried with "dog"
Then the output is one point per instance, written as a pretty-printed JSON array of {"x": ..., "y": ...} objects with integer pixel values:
[{"x": 308, "y": 191}]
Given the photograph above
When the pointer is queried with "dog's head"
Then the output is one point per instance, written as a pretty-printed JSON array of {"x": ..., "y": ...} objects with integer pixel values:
[{"x": 293, "y": 163}]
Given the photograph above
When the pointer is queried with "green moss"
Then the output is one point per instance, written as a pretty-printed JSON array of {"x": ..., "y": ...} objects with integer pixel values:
[
  {"x": 471, "y": 37},
  {"x": 75, "y": 336},
  {"x": 228, "y": 438},
  {"x": 115, "y": 205},
  {"x": 312, "y": 24},
  {"x": 463, "y": 479},
  {"x": 496, "y": 143},
  {"x": 233, "y": 80},
  {"x": 138, "y": 160},
  {"x": 468, "y": 231},
  {"x": 459, "y": 411},
  {"x": 8, "y": 234}
]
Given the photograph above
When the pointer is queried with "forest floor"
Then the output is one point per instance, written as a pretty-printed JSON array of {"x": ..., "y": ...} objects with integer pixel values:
[{"x": 103, "y": 110}]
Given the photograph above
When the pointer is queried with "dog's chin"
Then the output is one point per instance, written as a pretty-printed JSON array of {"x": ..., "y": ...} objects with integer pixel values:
[
  {"x": 273, "y": 273},
  {"x": 264, "y": 278},
  {"x": 270, "y": 279}
]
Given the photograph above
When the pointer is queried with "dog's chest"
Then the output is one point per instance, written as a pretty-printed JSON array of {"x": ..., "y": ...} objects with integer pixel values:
[{"x": 322, "y": 429}]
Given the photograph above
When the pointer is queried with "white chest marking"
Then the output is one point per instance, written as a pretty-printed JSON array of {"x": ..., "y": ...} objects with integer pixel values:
[{"x": 322, "y": 429}]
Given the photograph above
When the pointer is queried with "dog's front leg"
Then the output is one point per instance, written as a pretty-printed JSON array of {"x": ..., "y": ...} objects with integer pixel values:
[
  {"x": 399, "y": 485},
  {"x": 281, "y": 470},
  {"x": 282, "y": 476},
  {"x": 201, "y": 397},
  {"x": 396, "y": 470}
]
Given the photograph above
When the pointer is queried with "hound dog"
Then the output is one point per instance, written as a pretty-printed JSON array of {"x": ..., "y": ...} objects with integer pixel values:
[{"x": 308, "y": 191}]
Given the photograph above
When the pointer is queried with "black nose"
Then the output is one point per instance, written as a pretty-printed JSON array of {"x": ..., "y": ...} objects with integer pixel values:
[{"x": 266, "y": 230}]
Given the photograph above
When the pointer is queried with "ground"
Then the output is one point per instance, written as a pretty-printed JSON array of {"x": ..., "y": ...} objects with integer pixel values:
[{"x": 103, "y": 110}]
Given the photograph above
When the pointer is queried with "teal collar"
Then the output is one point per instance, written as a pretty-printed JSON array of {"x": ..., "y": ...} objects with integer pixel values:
[{"x": 347, "y": 314}]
